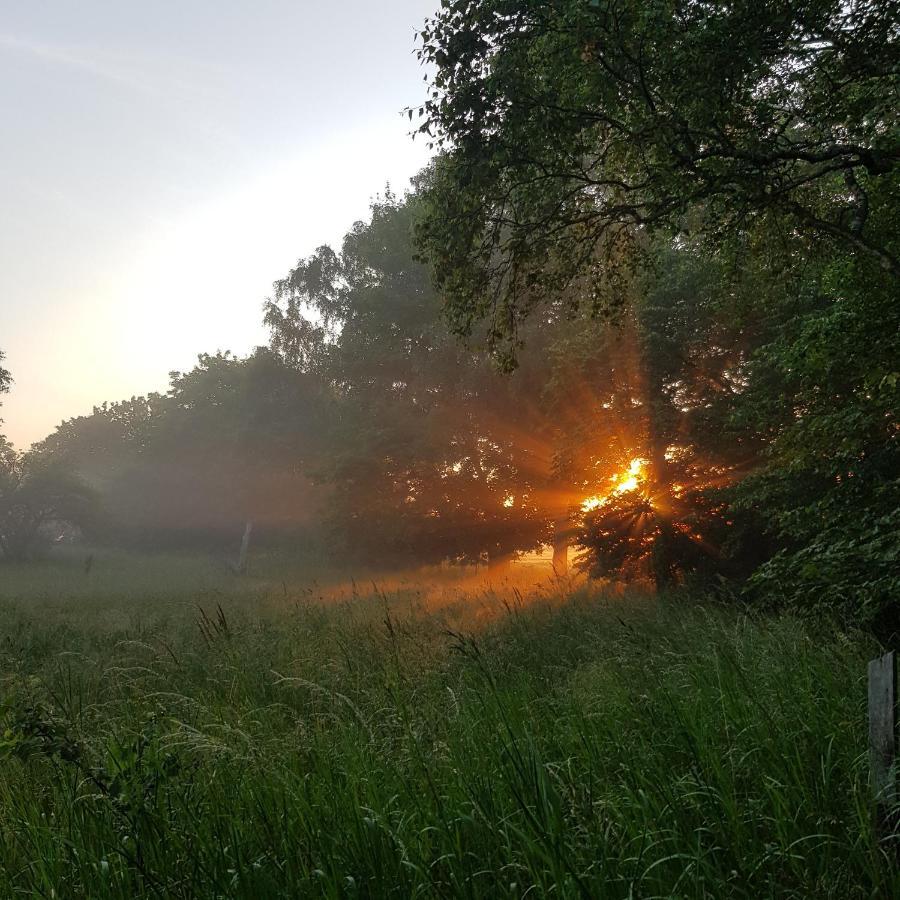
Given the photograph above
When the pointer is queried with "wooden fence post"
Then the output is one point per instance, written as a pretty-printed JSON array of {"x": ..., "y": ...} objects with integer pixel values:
[
  {"x": 883, "y": 736},
  {"x": 245, "y": 545}
]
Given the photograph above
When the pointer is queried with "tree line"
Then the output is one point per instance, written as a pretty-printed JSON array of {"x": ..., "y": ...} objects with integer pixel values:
[{"x": 643, "y": 303}]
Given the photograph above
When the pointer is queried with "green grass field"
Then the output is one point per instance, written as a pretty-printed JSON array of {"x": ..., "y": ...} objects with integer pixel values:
[{"x": 198, "y": 735}]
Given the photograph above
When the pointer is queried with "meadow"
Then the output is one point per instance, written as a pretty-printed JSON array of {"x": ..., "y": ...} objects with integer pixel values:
[{"x": 171, "y": 730}]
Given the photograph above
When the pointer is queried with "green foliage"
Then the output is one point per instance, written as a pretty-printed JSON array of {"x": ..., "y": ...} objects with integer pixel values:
[
  {"x": 596, "y": 750},
  {"x": 739, "y": 164},
  {"x": 39, "y": 502},
  {"x": 830, "y": 488},
  {"x": 634, "y": 536},
  {"x": 227, "y": 444},
  {"x": 424, "y": 440},
  {"x": 658, "y": 384},
  {"x": 569, "y": 128}
]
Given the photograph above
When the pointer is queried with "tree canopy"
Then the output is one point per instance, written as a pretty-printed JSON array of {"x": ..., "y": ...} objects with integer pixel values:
[
  {"x": 724, "y": 178},
  {"x": 566, "y": 126},
  {"x": 424, "y": 454},
  {"x": 228, "y": 443}
]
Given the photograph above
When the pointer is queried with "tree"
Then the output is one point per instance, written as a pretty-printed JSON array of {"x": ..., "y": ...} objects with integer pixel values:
[
  {"x": 570, "y": 129},
  {"x": 230, "y": 442},
  {"x": 578, "y": 136},
  {"x": 37, "y": 502},
  {"x": 646, "y": 448},
  {"x": 434, "y": 455},
  {"x": 823, "y": 392},
  {"x": 430, "y": 452},
  {"x": 5, "y": 382}
]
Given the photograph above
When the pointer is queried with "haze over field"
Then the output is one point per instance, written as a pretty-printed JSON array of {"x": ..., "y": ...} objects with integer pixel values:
[{"x": 163, "y": 163}]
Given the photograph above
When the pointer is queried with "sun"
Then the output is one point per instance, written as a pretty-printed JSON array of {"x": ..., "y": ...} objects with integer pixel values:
[{"x": 630, "y": 480}]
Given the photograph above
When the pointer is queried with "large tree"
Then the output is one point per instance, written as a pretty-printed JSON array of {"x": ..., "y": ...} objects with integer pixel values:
[
  {"x": 433, "y": 455},
  {"x": 571, "y": 127},
  {"x": 648, "y": 438},
  {"x": 583, "y": 140}
]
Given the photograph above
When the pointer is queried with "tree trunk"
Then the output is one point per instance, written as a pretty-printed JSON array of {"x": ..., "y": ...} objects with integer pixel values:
[
  {"x": 561, "y": 548},
  {"x": 663, "y": 558}
]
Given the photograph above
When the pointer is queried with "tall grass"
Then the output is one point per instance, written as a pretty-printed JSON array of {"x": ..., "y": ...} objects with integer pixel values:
[{"x": 589, "y": 748}]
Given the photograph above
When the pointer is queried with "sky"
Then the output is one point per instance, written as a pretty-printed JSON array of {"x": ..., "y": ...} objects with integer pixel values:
[{"x": 163, "y": 163}]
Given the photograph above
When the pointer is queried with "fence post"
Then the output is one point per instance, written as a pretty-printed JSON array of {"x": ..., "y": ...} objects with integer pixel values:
[
  {"x": 245, "y": 545},
  {"x": 883, "y": 736}
]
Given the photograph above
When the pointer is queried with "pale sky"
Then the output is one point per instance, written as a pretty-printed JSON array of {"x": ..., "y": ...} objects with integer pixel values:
[{"x": 163, "y": 163}]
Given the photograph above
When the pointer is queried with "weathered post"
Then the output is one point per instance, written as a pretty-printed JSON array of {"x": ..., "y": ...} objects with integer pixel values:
[
  {"x": 245, "y": 544},
  {"x": 561, "y": 548},
  {"x": 883, "y": 736}
]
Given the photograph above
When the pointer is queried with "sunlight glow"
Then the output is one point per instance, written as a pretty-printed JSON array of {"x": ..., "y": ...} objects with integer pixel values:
[{"x": 623, "y": 482}]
